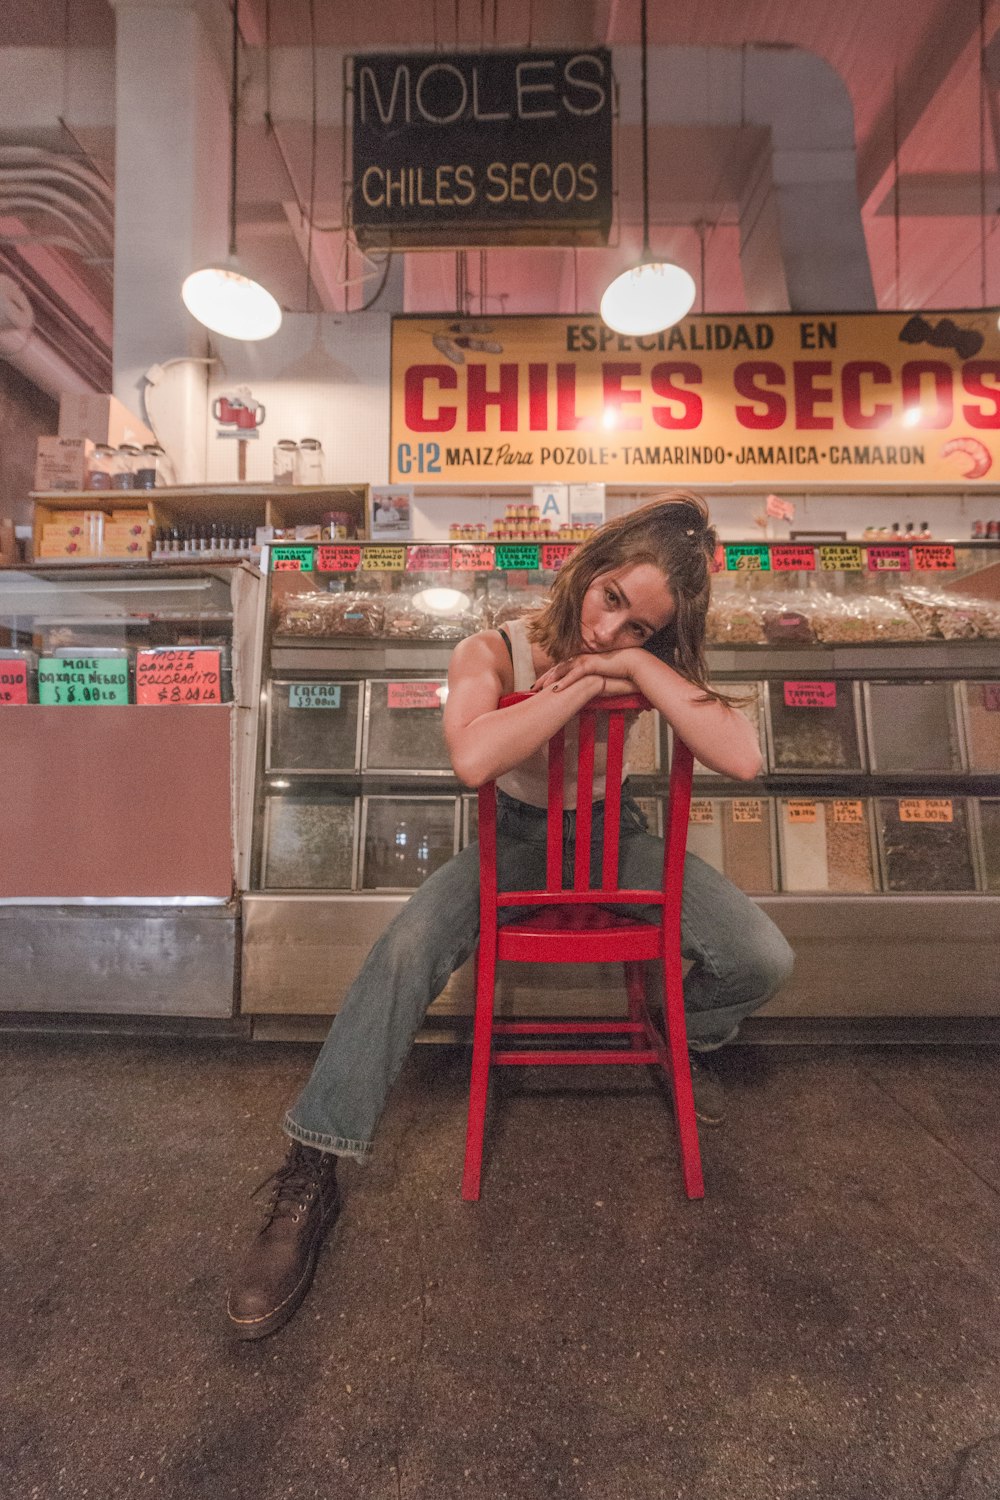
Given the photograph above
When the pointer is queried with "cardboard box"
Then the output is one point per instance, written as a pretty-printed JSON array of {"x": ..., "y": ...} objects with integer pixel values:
[
  {"x": 74, "y": 547},
  {"x": 127, "y": 531},
  {"x": 62, "y": 463},
  {"x": 102, "y": 419},
  {"x": 133, "y": 546}
]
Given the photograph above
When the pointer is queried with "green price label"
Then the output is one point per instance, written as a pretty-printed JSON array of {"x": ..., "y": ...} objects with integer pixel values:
[
  {"x": 752, "y": 558},
  {"x": 516, "y": 557},
  {"x": 314, "y": 695},
  {"x": 82, "y": 679},
  {"x": 291, "y": 559}
]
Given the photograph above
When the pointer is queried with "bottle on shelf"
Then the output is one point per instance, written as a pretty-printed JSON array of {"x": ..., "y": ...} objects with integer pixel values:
[
  {"x": 925, "y": 532},
  {"x": 978, "y": 531}
]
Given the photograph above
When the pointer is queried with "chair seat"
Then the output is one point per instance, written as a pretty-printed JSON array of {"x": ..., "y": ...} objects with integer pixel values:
[{"x": 582, "y": 934}]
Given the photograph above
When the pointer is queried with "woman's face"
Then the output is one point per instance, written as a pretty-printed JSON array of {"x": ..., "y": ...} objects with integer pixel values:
[{"x": 625, "y": 607}]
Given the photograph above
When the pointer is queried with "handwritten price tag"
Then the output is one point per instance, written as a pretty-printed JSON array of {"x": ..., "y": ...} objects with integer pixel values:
[
  {"x": 702, "y": 810},
  {"x": 931, "y": 558},
  {"x": 82, "y": 680},
  {"x": 839, "y": 557},
  {"x": 472, "y": 559},
  {"x": 338, "y": 559},
  {"x": 314, "y": 695},
  {"x": 554, "y": 554},
  {"x": 848, "y": 812},
  {"x": 810, "y": 695},
  {"x": 719, "y": 560},
  {"x": 800, "y": 812},
  {"x": 516, "y": 558},
  {"x": 748, "y": 810},
  {"x": 428, "y": 559},
  {"x": 888, "y": 559},
  {"x": 749, "y": 558},
  {"x": 291, "y": 559},
  {"x": 925, "y": 810},
  {"x": 13, "y": 681},
  {"x": 415, "y": 694},
  {"x": 171, "y": 674},
  {"x": 385, "y": 559},
  {"x": 793, "y": 559}
]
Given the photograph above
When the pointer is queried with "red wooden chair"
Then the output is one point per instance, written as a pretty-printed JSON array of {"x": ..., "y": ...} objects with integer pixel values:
[{"x": 575, "y": 927}]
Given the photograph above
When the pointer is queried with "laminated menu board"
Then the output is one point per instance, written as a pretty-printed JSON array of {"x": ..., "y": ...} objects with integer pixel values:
[
  {"x": 405, "y": 729},
  {"x": 814, "y": 726},
  {"x": 734, "y": 836},
  {"x": 405, "y": 840},
  {"x": 309, "y": 842},
  {"x": 982, "y": 724},
  {"x": 912, "y": 726},
  {"x": 748, "y": 700},
  {"x": 925, "y": 844},
  {"x": 825, "y": 845},
  {"x": 989, "y": 827},
  {"x": 314, "y": 726}
]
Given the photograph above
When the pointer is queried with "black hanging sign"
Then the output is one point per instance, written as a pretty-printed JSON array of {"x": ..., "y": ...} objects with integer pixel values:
[{"x": 482, "y": 148}]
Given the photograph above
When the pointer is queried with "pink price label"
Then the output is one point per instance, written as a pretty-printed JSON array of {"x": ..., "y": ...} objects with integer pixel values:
[
  {"x": 888, "y": 559},
  {"x": 428, "y": 559},
  {"x": 414, "y": 694},
  {"x": 810, "y": 695},
  {"x": 338, "y": 559},
  {"x": 174, "y": 675},
  {"x": 13, "y": 682},
  {"x": 554, "y": 554},
  {"x": 929, "y": 558},
  {"x": 991, "y": 696},
  {"x": 472, "y": 559},
  {"x": 793, "y": 559},
  {"x": 719, "y": 560}
]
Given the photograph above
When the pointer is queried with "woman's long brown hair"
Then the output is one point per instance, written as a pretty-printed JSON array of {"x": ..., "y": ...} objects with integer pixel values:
[{"x": 674, "y": 534}]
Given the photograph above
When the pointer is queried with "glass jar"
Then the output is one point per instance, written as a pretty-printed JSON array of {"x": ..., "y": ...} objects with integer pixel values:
[
  {"x": 284, "y": 461},
  {"x": 125, "y": 465},
  {"x": 102, "y": 467},
  {"x": 150, "y": 470},
  {"x": 309, "y": 462}
]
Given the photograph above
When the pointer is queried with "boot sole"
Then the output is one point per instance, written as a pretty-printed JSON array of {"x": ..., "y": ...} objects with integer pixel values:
[{"x": 260, "y": 1328}]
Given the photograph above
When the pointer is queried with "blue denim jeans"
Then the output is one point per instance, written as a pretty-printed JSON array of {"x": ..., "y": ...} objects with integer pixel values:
[{"x": 738, "y": 959}]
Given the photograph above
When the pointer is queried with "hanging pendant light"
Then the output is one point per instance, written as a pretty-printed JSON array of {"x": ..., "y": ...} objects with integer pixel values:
[
  {"x": 655, "y": 293},
  {"x": 224, "y": 298}
]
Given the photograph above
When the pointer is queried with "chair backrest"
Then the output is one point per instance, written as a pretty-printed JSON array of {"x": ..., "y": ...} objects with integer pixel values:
[{"x": 581, "y": 892}]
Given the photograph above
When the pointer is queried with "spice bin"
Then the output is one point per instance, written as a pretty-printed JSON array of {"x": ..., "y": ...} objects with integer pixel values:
[
  {"x": 925, "y": 844},
  {"x": 310, "y": 842},
  {"x": 912, "y": 727},
  {"x": 826, "y": 845},
  {"x": 314, "y": 726},
  {"x": 735, "y": 835},
  {"x": 405, "y": 839},
  {"x": 814, "y": 727}
]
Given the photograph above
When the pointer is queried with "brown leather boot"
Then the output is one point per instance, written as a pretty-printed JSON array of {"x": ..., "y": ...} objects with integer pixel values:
[{"x": 278, "y": 1268}]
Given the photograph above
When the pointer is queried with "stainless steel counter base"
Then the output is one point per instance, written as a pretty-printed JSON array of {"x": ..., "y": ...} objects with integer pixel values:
[
  {"x": 121, "y": 960},
  {"x": 864, "y": 957}
]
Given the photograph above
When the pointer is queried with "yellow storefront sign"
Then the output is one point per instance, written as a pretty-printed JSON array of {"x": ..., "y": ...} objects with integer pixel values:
[{"x": 757, "y": 399}]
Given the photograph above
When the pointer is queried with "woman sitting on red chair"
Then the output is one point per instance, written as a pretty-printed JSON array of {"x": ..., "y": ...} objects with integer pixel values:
[{"x": 626, "y": 615}]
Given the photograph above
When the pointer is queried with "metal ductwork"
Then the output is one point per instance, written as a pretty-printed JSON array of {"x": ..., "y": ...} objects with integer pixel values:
[{"x": 23, "y": 347}]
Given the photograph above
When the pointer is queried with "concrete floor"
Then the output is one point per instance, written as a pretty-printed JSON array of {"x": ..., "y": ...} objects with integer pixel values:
[{"x": 824, "y": 1325}]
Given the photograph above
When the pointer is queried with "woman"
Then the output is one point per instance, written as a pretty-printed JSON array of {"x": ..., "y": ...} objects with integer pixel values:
[{"x": 626, "y": 614}]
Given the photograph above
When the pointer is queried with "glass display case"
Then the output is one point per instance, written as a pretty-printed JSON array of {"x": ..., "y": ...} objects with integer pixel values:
[
  {"x": 124, "y": 720},
  {"x": 875, "y": 696}
]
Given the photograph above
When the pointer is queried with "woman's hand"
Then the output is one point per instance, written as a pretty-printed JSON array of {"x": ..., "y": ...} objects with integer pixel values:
[{"x": 613, "y": 669}]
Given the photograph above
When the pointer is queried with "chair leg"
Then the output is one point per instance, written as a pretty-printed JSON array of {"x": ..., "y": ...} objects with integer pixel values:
[
  {"x": 482, "y": 1047},
  {"x": 680, "y": 1076},
  {"x": 635, "y": 989}
]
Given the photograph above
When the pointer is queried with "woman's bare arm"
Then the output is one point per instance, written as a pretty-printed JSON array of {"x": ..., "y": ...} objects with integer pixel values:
[
  {"x": 485, "y": 741},
  {"x": 721, "y": 737}
]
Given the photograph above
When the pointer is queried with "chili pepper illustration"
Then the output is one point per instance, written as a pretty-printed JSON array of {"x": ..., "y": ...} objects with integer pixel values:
[
  {"x": 466, "y": 334},
  {"x": 981, "y": 460}
]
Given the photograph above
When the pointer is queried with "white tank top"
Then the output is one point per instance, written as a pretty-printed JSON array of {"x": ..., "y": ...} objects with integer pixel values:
[{"x": 529, "y": 782}]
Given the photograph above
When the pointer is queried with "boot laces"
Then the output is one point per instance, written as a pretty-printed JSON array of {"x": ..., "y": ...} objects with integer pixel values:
[{"x": 295, "y": 1183}]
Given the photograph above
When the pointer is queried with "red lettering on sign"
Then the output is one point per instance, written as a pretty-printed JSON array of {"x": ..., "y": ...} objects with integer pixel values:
[
  {"x": 745, "y": 378},
  {"x": 972, "y": 379},
  {"x": 808, "y": 395},
  {"x": 417, "y": 376},
  {"x": 615, "y": 396},
  {"x": 854, "y": 413},
  {"x": 538, "y": 398},
  {"x": 478, "y": 398},
  {"x": 415, "y": 694},
  {"x": 567, "y": 419},
  {"x": 690, "y": 402},
  {"x": 338, "y": 559},
  {"x": 940, "y": 413}
]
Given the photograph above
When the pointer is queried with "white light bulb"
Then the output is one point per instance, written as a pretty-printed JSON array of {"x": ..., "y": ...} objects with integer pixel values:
[
  {"x": 231, "y": 304},
  {"x": 648, "y": 298}
]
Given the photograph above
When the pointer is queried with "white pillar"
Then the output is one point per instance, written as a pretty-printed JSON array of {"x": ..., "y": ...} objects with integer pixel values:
[{"x": 172, "y": 195}]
